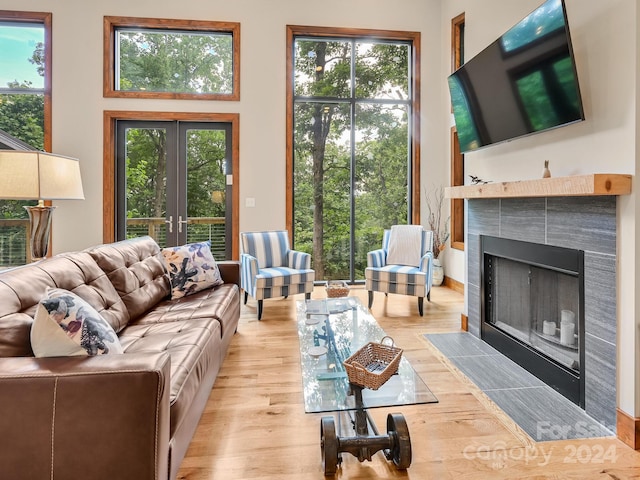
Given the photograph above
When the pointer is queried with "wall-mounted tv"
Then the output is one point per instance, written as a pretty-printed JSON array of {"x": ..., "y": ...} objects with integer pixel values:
[{"x": 525, "y": 82}]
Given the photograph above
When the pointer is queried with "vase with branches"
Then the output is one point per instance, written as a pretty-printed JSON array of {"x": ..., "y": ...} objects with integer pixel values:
[{"x": 439, "y": 227}]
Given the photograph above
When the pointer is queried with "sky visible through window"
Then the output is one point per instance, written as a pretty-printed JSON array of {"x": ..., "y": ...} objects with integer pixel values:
[{"x": 17, "y": 44}]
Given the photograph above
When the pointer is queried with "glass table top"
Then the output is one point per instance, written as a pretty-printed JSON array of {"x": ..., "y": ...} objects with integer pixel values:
[{"x": 329, "y": 332}]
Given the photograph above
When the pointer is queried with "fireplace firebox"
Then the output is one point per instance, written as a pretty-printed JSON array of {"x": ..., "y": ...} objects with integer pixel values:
[{"x": 533, "y": 310}]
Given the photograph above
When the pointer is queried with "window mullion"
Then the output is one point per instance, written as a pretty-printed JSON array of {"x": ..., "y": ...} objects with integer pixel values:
[{"x": 352, "y": 175}]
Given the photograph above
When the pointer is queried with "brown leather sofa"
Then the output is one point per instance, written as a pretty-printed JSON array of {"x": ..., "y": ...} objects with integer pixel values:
[{"x": 111, "y": 417}]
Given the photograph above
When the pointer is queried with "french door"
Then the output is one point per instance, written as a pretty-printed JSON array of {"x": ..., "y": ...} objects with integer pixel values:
[{"x": 174, "y": 181}]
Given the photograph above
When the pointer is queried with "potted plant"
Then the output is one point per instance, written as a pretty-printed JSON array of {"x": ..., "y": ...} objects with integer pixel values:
[{"x": 440, "y": 229}]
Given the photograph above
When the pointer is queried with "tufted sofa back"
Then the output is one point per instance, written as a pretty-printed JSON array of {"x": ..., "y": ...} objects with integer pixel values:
[
  {"x": 23, "y": 287},
  {"x": 121, "y": 280},
  {"x": 136, "y": 269}
]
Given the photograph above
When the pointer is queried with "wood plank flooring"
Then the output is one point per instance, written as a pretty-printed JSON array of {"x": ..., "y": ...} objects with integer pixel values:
[{"x": 254, "y": 426}]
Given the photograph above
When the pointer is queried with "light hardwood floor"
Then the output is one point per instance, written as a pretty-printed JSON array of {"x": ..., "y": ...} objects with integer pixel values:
[{"x": 254, "y": 426}]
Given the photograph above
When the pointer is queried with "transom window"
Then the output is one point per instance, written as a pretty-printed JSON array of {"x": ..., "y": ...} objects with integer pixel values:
[
  {"x": 171, "y": 59},
  {"x": 22, "y": 59}
]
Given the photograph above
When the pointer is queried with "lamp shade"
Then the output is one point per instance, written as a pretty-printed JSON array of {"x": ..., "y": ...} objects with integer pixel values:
[{"x": 33, "y": 175}]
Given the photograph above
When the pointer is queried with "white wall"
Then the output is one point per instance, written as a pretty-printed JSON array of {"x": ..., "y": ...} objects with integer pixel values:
[
  {"x": 605, "y": 38},
  {"x": 78, "y": 103}
]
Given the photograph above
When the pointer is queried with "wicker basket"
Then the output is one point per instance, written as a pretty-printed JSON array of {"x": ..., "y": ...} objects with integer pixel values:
[
  {"x": 373, "y": 364},
  {"x": 337, "y": 288}
]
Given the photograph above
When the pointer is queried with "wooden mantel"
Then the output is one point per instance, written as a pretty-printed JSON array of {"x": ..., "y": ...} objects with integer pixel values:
[{"x": 576, "y": 185}]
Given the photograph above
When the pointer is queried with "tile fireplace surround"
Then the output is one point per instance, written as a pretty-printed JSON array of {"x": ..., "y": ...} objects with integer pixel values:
[{"x": 586, "y": 222}]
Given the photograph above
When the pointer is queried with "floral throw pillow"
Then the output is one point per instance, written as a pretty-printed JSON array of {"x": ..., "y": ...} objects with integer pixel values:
[
  {"x": 192, "y": 268},
  {"x": 67, "y": 325}
]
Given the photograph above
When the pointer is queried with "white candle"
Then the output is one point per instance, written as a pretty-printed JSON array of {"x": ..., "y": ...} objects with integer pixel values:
[
  {"x": 567, "y": 316},
  {"x": 567, "y": 330},
  {"x": 549, "y": 328}
]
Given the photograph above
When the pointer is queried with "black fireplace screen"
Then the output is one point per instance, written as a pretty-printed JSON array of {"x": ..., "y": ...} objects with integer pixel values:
[
  {"x": 533, "y": 302},
  {"x": 539, "y": 307}
]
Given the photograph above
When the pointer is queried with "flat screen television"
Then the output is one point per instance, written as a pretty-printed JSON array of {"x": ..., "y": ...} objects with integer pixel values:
[{"x": 523, "y": 83}]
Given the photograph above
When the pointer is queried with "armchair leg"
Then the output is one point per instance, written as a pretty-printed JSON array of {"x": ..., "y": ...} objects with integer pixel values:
[
  {"x": 370, "y": 298},
  {"x": 246, "y": 295},
  {"x": 420, "y": 306},
  {"x": 429, "y": 296},
  {"x": 260, "y": 309}
]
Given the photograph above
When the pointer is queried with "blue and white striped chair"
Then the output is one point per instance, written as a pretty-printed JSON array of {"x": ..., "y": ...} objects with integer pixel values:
[
  {"x": 271, "y": 269},
  {"x": 403, "y": 265}
]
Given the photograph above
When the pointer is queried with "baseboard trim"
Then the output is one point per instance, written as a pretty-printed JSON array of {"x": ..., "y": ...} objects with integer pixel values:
[
  {"x": 464, "y": 322},
  {"x": 453, "y": 285},
  {"x": 628, "y": 429}
]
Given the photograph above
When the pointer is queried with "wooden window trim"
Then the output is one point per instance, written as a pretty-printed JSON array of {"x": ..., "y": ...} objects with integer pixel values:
[
  {"x": 111, "y": 24},
  {"x": 413, "y": 37},
  {"x": 109, "y": 159},
  {"x": 457, "y": 204},
  {"x": 457, "y": 40},
  {"x": 45, "y": 18},
  {"x": 457, "y": 158}
]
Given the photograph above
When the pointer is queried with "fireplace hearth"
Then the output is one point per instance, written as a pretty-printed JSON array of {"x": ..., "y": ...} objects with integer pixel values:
[{"x": 533, "y": 309}]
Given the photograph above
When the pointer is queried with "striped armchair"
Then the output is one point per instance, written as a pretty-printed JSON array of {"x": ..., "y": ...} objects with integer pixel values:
[
  {"x": 271, "y": 269},
  {"x": 403, "y": 265}
]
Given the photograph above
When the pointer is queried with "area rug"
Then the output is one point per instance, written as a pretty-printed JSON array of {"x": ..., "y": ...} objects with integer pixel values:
[{"x": 536, "y": 408}]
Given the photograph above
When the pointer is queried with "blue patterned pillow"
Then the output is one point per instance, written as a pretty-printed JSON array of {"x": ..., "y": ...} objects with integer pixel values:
[
  {"x": 66, "y": 325},
  {"x": 192, "y": 268}
]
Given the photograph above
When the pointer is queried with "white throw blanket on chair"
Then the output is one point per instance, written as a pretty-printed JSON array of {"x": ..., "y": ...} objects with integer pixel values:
[{"x": 405, "y": 245}]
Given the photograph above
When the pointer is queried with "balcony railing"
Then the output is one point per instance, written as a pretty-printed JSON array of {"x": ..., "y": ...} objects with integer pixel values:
[{"x": 14, "y": 244}]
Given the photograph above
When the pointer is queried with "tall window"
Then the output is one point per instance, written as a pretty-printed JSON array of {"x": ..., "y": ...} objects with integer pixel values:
[
  {"x": 157, "y": 58},
  {"x": 457, "y": 158},
  {"x": 25, "y": 111},
  {"x": 353, "y": 125}
]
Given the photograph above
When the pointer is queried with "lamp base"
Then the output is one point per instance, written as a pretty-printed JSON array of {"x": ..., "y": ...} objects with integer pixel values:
[{"x": 39, "y": 228}]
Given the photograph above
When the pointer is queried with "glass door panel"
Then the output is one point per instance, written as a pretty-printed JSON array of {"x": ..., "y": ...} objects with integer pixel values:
[
  {"x": 206, "y": 149},
  {"x": 142, "y": 210}
]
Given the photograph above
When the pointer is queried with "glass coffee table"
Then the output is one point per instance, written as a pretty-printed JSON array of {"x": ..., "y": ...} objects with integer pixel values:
[{"x": 330, "y": 331}]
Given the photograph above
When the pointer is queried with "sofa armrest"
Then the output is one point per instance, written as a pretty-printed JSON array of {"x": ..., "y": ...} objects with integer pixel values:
[
  {"x": 230, "y": 271},
  {"x": 103, "y": 417}
]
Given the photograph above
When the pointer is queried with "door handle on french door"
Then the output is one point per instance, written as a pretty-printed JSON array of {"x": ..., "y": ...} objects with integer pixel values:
[
  {"x": 180, "y": 223},
  {"x": 170, "y": 223}
]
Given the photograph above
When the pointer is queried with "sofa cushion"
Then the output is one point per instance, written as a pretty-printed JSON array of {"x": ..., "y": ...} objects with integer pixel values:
[
  {"x": 221, "y": 303},
  {"x": 66, "y": 325},
  {"x": 136, "y": 270},
  {"x": 193, "y": 346},
  {"x": 22, "y": 288},
  {"x": 191, "y": 268}
]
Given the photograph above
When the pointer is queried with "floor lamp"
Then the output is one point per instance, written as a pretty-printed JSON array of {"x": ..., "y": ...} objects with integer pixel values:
[{"x": 33, "y": 175}]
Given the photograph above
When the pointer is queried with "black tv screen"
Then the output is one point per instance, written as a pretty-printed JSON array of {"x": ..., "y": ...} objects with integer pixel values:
[{"x": 525, "y": 82}]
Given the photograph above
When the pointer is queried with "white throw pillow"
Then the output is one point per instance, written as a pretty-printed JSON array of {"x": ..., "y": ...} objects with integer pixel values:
[
  {"x": 192, "y": 268},
  {"x": 405, "y": 245},
  {"x": 66, "y": 325}
]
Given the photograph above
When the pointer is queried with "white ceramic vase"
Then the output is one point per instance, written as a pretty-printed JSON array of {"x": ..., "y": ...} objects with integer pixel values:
[{"x": 438, "y": 273}]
